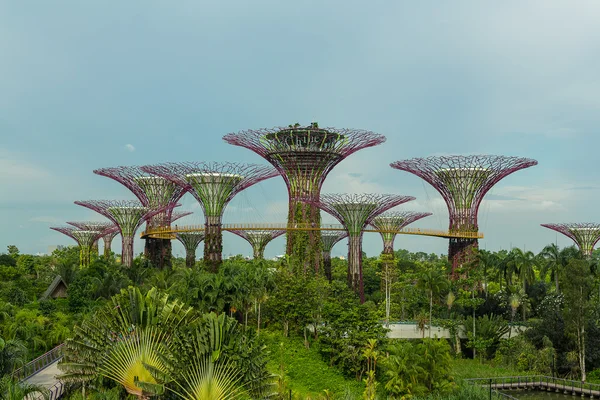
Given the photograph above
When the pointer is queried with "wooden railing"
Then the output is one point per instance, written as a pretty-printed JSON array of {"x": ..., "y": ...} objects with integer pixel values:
[
  {"x": 36, "y": 365},
  {"x": 168, "y": 232},
  {"x": 541, "y": 382}
]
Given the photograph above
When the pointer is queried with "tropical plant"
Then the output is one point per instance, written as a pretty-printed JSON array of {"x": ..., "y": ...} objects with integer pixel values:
[
  {"x": 13, "y": 390},
  {"x": 434, "y": 282}
]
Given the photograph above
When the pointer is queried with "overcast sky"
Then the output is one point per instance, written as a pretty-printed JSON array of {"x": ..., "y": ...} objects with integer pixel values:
[{"x": 85, "y": 85}]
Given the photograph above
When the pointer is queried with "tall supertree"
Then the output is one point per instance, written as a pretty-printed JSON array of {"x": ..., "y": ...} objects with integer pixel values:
[
  {"x": 213, "y": 184},
  {"x": 107, "y": 229},
  {"x": 328, "y": 240},
  {"x": 128, "y": 215},
  {"x": 175, "y": 215},
  {"x": 84, "y": 238},
  {"x": 355, "y": 212},
  {"x": 153, "y": 192},
  {"x": 258, "y": 240},
  {"x": 190, "y": 241},
  {"x": 304, "y": 156},
  {"x": 463, "y": 181},
  {"x": 390, "y": 223},
  {"x": 585, "y": 234}
]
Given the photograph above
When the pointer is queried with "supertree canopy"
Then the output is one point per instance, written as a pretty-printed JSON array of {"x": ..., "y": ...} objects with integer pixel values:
[
  {"x": 328, "y": 240},
  {"x": 463, "y": 181},
  {"x": 84, "y": 238},
  {"x": 153, "y": 192},
  {"x": 175, "y": 215},
  {"x": 128, "y": 215},
  {"x": 258, "y": 240},
  {"x": 388, "y": 224},
  {"x": 355, "y": 212},
  {"x": 304, "y": 156},
  {"x": 107, "y": 229},
  {"x": 585, "y": 235},
  {"x": 190, "y": 241},
  {"x": 213, "y": 184}
]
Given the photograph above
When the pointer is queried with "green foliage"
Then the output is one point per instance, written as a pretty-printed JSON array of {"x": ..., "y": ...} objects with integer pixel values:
[{"x": 416, "y": 369}]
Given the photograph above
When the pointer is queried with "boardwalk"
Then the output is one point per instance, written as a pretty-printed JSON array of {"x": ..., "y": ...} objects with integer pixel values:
[
  {"x": 42, "y": 372},
  {"x": 540, "y": 382}
]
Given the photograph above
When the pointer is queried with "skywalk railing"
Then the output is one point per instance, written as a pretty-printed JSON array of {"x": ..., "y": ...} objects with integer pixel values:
[
  {"x": 36, "y": 365},
  {"x": 169, "y": 231},
  {"x": 540, "y": 382}
]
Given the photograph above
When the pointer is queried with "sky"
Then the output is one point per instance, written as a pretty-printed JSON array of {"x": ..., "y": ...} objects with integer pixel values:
[{"x": 85, "y": 85}]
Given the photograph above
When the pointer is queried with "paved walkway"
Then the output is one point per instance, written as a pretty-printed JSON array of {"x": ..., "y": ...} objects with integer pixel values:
[
  {"x": 45, "y": 378},
  {"x": 410, "y": 331}
]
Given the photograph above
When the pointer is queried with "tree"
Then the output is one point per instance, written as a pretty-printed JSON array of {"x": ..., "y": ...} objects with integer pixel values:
[
  {"x": 12, "y": 355},
  {"x": 434, "y": 282},
  {"x": 13, "y": 390},
  {"x": 577, "y": 289},
  {"x": 13, "y": 251},
  {"x": 524, "y": 262}
]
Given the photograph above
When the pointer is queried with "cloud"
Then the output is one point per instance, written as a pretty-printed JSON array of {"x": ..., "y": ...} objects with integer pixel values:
[
  {"x": 129, "y": 147},
  {"x": 17, "y": 170}
]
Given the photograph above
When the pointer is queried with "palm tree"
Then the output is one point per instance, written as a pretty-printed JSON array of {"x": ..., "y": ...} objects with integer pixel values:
[
  {"x": 12, "y": 355},
  {"x": 487, "y": 261},
  {"x": 524, "y": 262},
  {"x": 553, "y": 263},
  {"x": 434, "y": 282},
  {"x": 124, "y": 339}
]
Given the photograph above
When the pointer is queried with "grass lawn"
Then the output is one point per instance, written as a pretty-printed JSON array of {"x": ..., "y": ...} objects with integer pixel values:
[
  {"x": 468, "y": 368},
  {"x": 305, "y": 371}
]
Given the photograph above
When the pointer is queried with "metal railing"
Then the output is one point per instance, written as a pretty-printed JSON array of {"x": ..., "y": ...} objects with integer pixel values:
[
  {"x": 54, "y": 392},
  {"x": 36, "y": 365},
  {"x": 538, "y": 381},
  {"x": 169, "y": 231}
]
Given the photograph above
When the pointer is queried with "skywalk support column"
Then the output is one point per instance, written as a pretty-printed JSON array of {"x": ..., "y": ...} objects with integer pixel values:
[
  {"x": 213, "y": 185},
  {"x": 128, "y": 215},
  {"x": 330, "y": 239},
  {"x": 190, "y": 241},
  {"x": 304, "y": 156},
  {"x": 153, "y": 192},
  {"x": 355, "y": 212},
  {"x": 463, "y": 181},
  {"x": 585, "y": 235},
  {"x": 258, "y": 240}
]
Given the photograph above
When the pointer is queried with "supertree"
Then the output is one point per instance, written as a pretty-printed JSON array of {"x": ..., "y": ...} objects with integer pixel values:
[
  {"x": 107, "y": 239},
  {"x": 105, "y": 228},
  {"x": 153, "y": 192},
  {"x": 84, "y": 238},
  {"x": 175, "y": 215},
  {"x": 328, "y": 240},
  {"x": 355, "y": 212},
  {"x": 585, "y": 234},
  {"x": 190, "y": 241},
  {"x": 213, "y": 184},
  {"x": 258, "y": 240},
  {"x": 463, "y": 181},
  {"x": 390, "y": 223},
  {"x": 128, "y": 215},
  {"x": 304, "y": 156}
]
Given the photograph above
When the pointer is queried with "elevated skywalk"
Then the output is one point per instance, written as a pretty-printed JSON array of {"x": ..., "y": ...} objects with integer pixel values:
[
  {"x": 168, "y": 232},
  {"x": 42, "y": 372}
]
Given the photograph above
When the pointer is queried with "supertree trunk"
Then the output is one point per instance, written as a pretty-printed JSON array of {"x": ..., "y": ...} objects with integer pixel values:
[
  {"x": 388, "y": 247},
  {"x": 327, "y": 265},
  {"x": 190, "y": 257},
  {"x": 159, "y": 252},
  {"x": 107, "y": 240},
  {"x": 127, "y": 251},
  {"x": 460, "y": 251},
  {"x": 304, "y": 246},
  {"x": 95, "y": 248},
  {"x": 355, "y": 280},
  {"x": 258, "y": 252},
  {"x": 213, "y": 243}
]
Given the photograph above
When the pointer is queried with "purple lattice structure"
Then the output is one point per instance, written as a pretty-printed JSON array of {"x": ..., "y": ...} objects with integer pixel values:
[
  {"x": 585, "y": 234},
  {"x": 328, "y": 240},
  {"x": 304, "y": 156},
  {"x": 390, "y": 223},
  {"x": 355, "y": 212},
  {"x": 153, "y": 192},
  {"x": 258, "y": 240},
  {"x": 463, "y": 181},
  {"x": 213, "y": 185},
  {"x": 190, "y": 241},
  {"x": 108, "y": 229},
  {"x": 175, "y": 215},
  {"x": 128, "y": 215},
  {"x": 84, "y": 238}
]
